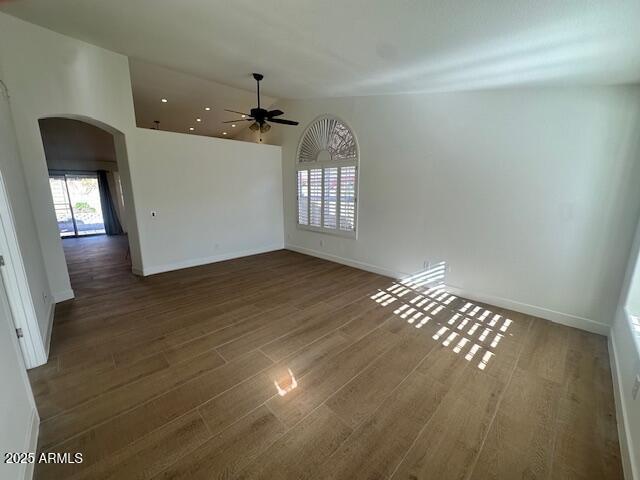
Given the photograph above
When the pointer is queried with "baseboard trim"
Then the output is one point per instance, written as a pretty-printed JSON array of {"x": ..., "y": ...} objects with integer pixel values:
[
  {"x": 350, "y": 263},
  {"x": 541, "y": 312},
  {"x": 204, "y": 261},
  {"x": 551, "y": 315},
  {"x": 624, "y": 437},
  {"x": 31, "y": 443},
  {"x": 63, "y": 296}
]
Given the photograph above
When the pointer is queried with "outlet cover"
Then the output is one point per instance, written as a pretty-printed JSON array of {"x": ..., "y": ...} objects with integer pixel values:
[{"x": 636, "y": 387}]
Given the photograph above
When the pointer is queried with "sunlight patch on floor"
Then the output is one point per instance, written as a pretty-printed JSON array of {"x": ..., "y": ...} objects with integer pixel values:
[{"x": 471, "y": 330}]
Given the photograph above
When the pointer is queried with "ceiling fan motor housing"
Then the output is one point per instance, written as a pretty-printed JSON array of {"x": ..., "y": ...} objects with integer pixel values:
[{"x": 260, "y": 115}]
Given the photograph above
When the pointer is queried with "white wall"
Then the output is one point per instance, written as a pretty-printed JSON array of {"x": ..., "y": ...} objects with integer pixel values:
[
  {"x": 18, "y": 416},
  {"x": 188, "y": 180},
  {"x": 215, "y": 199},
  {"x": 49, "y": 74},
  {"x": 24, "y": 223},
  {"x": 624, "y": 351},
  {"x": 530, "y": 195}
]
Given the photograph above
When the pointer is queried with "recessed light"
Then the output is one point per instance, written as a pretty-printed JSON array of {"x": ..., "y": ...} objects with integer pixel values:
[
  {"x": 207, "y": 108},
  {"x": 233, "y": 125},
  {"x": 224, "y": 133},
  {"x": 164, "y": 100},
  {"x": 198, "y": 119},
  {"x": 243, "y": 116},
  {"x": 191, "y": 129}
]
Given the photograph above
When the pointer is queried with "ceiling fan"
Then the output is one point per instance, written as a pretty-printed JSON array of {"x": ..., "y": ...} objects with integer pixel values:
[{"x": 259, "y": 116}]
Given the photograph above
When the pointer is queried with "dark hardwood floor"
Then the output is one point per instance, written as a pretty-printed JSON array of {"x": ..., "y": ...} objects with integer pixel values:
[{"x": 284, "y": 366}]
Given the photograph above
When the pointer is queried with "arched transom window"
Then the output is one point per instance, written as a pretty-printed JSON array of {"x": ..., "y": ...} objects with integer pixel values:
[{"x": 327, "y": 177}]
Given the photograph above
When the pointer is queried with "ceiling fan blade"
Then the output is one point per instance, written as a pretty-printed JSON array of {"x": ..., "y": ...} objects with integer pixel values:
[
  {"x": 274, "y": 113},
  {"x": 240, "y": 120},
  {"x": 283, "y": 121},
  {"x": 235, "y": 111}
]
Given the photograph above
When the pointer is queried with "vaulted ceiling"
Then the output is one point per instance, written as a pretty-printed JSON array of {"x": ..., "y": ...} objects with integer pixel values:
[{"x": 311, "y": 48}]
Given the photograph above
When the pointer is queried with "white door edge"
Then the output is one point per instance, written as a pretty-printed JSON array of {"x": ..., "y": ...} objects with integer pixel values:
[{"x": 14, "y": 277}]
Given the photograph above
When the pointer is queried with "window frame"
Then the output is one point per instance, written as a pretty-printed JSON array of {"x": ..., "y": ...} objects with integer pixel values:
[{"x": 323, "y": 165}]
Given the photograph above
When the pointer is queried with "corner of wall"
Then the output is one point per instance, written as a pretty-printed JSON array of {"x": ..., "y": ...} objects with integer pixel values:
[
  {"x": 31, "y": 443},
  {"x": 139, "y": 271},
  {"x": 63, "y": 295},
  {"x": 47, "y": 336},
  {"x": 627, "y": 444}
]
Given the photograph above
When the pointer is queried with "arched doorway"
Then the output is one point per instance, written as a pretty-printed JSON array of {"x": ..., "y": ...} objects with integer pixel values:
[{"x": 91, "y": 188}]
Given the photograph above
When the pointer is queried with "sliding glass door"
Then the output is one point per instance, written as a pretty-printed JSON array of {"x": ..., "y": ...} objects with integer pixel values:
[
  {"x": 61, "y": 205},
  {"x": 76, "y": 199}
]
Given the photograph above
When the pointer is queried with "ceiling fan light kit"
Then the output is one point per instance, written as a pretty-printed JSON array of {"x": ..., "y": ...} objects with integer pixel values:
[{"x": 259, "y": 116}]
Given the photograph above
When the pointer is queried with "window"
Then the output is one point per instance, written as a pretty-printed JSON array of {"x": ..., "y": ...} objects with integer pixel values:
[
  {"x": 76, "y": 200},
  {"x": 327, "y": 178}
]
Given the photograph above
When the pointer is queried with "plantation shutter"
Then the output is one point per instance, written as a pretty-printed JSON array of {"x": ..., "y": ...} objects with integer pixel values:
[
  {"x": 303, "y": 197},
  {"x": 330, "y": 198},
  {"x": 315, "y": 196},
  {"x": 347, "y": 198},
  {"x": 327, "y": 185}
]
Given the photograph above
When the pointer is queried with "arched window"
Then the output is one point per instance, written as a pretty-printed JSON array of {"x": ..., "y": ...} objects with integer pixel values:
[{"x": 327, "y": 178}]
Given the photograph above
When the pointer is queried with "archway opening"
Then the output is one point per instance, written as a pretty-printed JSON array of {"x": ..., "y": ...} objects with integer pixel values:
[{"x": 92, "y": 199}]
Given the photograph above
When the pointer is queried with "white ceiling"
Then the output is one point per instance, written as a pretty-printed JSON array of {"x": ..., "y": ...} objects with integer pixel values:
[
  {"x": 187, "y": 96},
  {"x": 312, "y": 48}
]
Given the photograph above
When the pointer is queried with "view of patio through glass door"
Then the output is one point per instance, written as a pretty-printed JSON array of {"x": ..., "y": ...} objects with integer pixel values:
[{"x": 76, "y": 199}]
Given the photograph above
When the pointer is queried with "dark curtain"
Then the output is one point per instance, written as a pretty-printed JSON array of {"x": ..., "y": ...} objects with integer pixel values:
[{"x": 111, "y": 224}]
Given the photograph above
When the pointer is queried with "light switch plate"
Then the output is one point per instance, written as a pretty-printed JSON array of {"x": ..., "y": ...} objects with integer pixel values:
[{"x": 636, "y": 387}]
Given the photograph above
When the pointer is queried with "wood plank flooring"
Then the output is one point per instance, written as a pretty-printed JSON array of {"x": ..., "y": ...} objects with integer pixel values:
[{"x": 284, "y": 366}]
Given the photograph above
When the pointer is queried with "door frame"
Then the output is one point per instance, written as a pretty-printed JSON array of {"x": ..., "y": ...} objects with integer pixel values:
[{"x": 15, "y": 281}]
